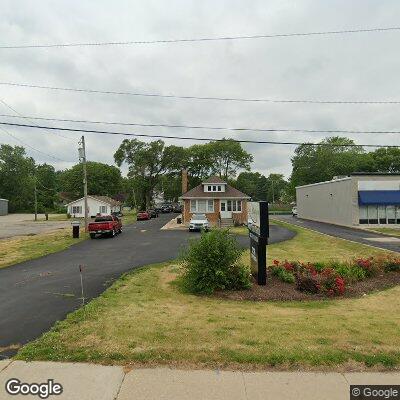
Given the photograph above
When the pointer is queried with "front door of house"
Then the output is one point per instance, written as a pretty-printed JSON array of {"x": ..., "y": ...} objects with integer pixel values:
[{"x": 226, "y": 209}]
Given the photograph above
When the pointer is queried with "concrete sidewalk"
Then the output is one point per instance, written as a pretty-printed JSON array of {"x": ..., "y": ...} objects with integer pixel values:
[{"x": 96, "y": 382}]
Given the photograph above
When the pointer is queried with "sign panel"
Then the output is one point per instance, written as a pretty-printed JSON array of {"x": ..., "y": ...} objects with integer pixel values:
[
  {"x": 258, "y": 225},
  {"x": 253, "y": 222}
]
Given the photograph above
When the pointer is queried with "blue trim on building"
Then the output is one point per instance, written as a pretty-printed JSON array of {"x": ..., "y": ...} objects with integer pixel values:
[{"x": 378, "y": 197}]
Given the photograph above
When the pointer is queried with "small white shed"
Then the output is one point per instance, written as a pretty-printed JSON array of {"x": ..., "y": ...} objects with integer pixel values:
[
  {"x": 3, "y": 206},
  {"x": 102, "y": 205}
]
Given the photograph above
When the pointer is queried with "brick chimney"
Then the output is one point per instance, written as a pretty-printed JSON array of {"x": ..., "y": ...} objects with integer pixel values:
[{"x": 185, "y": 184}]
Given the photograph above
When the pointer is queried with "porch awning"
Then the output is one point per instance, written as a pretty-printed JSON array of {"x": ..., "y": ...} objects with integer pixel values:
[{"x": 382, "y": 197}]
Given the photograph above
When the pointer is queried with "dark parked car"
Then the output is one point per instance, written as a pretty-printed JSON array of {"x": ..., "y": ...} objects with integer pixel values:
[
  {"x": 166, "y": 208},
  {"x": 142, "y": 215},
  {"x": 153, "y": 213},
  {"x": 177, "y": 208},
  {"x": 117, "y": 214}
]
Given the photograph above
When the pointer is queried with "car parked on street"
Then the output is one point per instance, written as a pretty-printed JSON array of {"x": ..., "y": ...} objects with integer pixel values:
[
  {"x": 153, "y": 212},
  {"x": 199, "y": 222},
  {"x": 105, "y": 225},
  {"x": 177, "y": 208},
  {"x": 142, "y": 215},
  {"x": 166, "y": 208}
]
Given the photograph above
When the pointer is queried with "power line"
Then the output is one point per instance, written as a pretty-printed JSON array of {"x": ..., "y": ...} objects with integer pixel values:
[
  {"x": 21, "y": 116},
  {"x": 201, "y": 39},
  {"x": 198, "y": 126},
  {"x": 195, "y": 138},
  {"x": 173, "y": 96},
  {"x": 31, "y": 147}
]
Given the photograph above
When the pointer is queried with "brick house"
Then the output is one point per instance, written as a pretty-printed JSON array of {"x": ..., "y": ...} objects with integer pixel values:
[{"x": 223, "y": 204}]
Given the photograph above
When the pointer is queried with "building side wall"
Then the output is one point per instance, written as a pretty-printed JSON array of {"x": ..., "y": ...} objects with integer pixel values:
[
  {"x": 334, "y": 202},
  {"x": 93, "y": 208}
]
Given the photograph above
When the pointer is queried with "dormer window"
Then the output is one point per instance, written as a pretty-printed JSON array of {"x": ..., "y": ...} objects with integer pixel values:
[
  {"x": 209, "y": 188},
  {"x": 219, "y": 188},
  {"x": 214, "y": 188}
]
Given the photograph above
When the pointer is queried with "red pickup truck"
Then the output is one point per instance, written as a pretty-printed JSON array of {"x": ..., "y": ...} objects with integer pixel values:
[{"x": 108, "y": 224}]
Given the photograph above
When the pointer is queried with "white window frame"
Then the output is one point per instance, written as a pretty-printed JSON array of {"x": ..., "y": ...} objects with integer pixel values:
[
  {"x": 234, "y": 206},
  {"x": 208, "y": 204},
  {"x": 76, "y": 210}
]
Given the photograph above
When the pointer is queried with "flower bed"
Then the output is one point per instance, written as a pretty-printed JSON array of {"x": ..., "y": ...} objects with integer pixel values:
[
  {"x": 331, "y": 278},
  {"x": 321, "y": 280}
]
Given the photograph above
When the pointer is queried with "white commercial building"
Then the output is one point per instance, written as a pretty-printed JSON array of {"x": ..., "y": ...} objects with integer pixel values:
[
  {"x": 358, "y": 199},
  {"x": 97, "y": 205}
]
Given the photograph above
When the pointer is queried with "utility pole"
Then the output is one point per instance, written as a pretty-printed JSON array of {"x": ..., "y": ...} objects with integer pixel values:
[
  {"x": 35, "y": 199},
  {"x": 82, "y": 159}
]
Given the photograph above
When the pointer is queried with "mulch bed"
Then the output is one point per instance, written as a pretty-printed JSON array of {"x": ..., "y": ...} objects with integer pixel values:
[{"x": 282, "y": 291}]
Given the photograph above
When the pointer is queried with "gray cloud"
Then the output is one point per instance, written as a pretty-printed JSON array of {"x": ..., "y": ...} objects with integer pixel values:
[{"x": 348, "y": 67}]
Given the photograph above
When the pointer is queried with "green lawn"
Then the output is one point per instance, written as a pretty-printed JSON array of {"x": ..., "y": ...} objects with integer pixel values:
[
  {"x": 145, "y": 319},
  {"x": 387, "y": 231},
  {"x": 22, "y": 248},
  {"x": 129, "y": 217}
]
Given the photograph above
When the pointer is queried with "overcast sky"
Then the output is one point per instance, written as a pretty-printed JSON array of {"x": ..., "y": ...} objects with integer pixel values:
[{"x": 362, "y": 66}]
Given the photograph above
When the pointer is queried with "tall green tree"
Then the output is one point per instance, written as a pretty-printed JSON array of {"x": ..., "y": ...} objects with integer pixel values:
[
  {"x": 102, "y": 179},
  {"x": 199, "y": 163},
  {"x": 260, "y": 187},
  {"x": 17, "y": 172},
  {"x": 321, "y": 163},
  {"x": 385, "y": 159},
  {"x": 248, "y": 183},
  {"x": 46, "y": 184},
  {"x": 276, "y": 186},
  {"x": 147, "y": 162},
  {"x": 228, "y": 156}
]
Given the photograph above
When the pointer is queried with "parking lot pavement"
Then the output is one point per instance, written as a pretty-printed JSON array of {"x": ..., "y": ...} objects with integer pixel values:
[
  {"x": 25, "y": 224},
  {"x": 37, "y": 293},
  {"x": 356, "y": 235}
]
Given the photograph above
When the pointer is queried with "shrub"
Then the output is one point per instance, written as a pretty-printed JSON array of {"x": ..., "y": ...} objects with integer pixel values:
[
  {"x": 212, "y": 263},
  {"x": 307, "y": 281},
  {"x": 389, "y": 263},
  {"x": 283, "y": 274},
  {"x": 327, "y": 281},
  {"x": 351, "y": 273},
  {"x": 368, "y": 265}
]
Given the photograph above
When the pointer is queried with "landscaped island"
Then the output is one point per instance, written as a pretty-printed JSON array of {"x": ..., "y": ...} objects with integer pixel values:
[{"x": 146, "y": 319}]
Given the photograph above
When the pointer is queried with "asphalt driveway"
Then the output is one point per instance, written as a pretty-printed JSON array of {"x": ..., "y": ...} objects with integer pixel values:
[
  {"x": 356, "y": 235},
  {"x": 35, "y": 294}
]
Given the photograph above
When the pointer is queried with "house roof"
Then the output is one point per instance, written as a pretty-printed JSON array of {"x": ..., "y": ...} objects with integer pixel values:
[
  {"x": 108, "y": 200},
  {"x": 230, "y": 192},
  {"x": 214, "y": 179},
  {"x": 103, "y": 199}
]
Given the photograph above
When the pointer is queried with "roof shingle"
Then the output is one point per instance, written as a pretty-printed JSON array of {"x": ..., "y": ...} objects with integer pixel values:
[
  {"x": 230, "y": 192},
  {"x": 214, "y": 179}
]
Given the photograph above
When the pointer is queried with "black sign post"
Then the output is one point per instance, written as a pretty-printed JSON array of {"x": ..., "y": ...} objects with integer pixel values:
[{"x": 259, "y": 232}]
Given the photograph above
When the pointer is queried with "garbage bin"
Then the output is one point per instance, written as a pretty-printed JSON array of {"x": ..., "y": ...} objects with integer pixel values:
[
  {"x": 75, "y": 229},
  {"x": 179, "y": 220}
]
